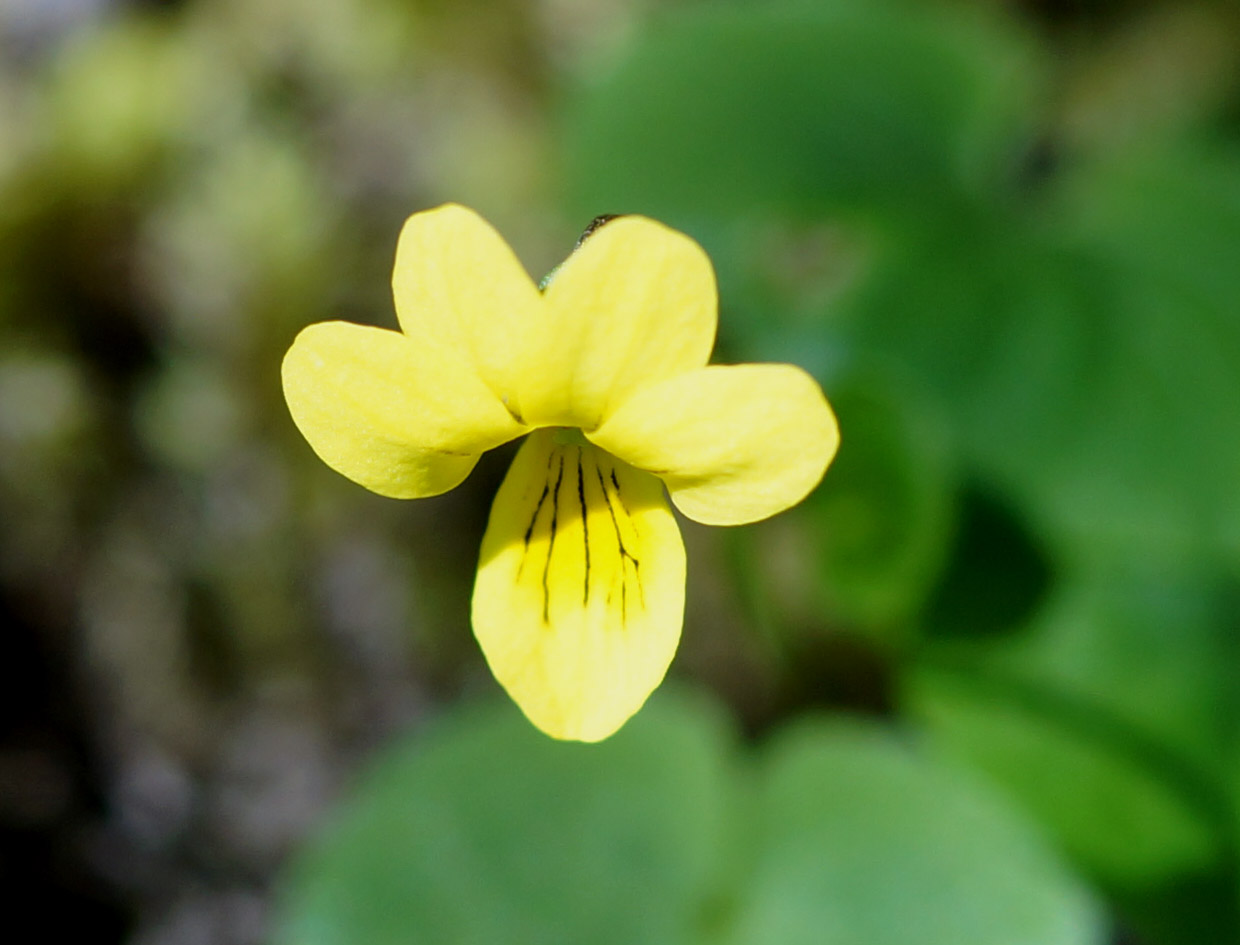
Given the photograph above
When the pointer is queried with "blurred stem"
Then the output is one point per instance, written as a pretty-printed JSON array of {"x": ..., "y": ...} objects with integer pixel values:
[{"x": 753, "y": 595}]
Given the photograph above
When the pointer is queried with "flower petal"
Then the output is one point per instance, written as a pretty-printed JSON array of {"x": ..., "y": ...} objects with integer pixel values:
[
  {"x": 581, "y": 587},
  {"x": 734, "y": 444},
  {"x": 459, "y": 284},
  {"x": 634, "y": 304},
  {"x": 402, "y": 419}
]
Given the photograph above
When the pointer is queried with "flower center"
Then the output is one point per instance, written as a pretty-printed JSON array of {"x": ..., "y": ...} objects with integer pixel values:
[{"x": 568, "y": 436}]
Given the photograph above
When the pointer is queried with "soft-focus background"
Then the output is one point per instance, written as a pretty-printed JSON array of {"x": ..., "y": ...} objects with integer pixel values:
[{"x": 980, "y": 689}]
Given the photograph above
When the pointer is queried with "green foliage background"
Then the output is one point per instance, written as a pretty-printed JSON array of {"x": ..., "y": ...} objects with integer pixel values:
[{"x": 982, "y": 687}]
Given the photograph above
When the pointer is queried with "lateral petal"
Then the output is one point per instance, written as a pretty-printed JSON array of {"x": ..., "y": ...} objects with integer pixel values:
[
  {"x": 459, "y": 284},
  {"x": 403, "y": 419},
  {"x": 580, "y": 594},
  {"x": 734, "y": 444},
  {"x": 634, "y": 304}
]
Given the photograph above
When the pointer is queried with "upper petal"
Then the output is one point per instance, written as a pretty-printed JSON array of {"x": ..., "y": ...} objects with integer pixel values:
[
  {"x": 734, "y": 444},
  {"x": 401, "y": 418},
  {"x": 458, "y": 283},
  {"x": 581, "y": 587},
  {"x": 634, "y": 304}
]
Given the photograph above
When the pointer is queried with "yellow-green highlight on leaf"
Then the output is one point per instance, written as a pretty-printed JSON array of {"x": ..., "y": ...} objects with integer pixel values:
[{"x": 579, "y": 600}]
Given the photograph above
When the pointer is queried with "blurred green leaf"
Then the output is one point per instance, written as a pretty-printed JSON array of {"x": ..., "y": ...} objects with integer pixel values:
[
  {"x": 1114, "y": 816},
  {"x": 800, "y": 108},
  {"x": 1001, "y": 324},
  {"x": 864, "y": 840},
  {"x": 883, "y": 515},
  {"x": 1167, "y": 228},
  {"x": 487, "y": 831},
  {"x": 1089, "y": 364},
  {"x": 1088, "y": 355},
  {"x": 1109, "y": 719},
  {"x": 484, "y": 830},
  {"x": 1156, "y": 647}
]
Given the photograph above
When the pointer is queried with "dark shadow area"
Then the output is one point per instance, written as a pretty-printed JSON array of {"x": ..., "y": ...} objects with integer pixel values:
[{"x": 997, "y": 574}]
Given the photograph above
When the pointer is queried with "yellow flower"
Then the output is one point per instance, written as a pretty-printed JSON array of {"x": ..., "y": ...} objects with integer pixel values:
[{"x": 579, "y": 599}]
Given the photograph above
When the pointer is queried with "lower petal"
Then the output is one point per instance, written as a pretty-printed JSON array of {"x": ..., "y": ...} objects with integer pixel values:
[{"x": 580, "y": 594}]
